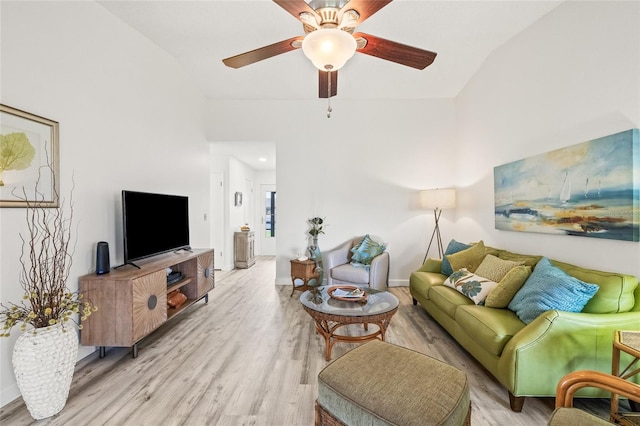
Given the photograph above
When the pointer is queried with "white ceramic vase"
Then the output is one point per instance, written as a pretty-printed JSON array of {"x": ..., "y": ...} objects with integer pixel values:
[{"x": 44, "y": 364}]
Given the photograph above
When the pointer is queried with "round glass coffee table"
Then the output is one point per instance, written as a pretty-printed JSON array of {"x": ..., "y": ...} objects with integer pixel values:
[{"x": 330, "y": 314}]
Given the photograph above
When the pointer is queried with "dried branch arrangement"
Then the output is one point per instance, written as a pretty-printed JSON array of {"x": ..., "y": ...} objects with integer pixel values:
[{"x": 46, "y": 259}]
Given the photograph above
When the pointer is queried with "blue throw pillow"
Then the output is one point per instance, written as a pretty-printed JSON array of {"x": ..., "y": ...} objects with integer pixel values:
[
  {"x": 547, "y": 288},
  {"x": 366, "y": 250},
  {"x": 453, "y": 247}
]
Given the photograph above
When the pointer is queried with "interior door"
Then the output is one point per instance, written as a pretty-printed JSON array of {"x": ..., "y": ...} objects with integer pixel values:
[
  {"x": 217, "y": 217},
  {"x": 268, "y": 223}
]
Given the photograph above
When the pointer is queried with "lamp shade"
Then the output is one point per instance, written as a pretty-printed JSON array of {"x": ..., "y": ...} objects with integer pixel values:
[
  {"x": 329, "y": 48},
  {"x": 439, "y": 199}
]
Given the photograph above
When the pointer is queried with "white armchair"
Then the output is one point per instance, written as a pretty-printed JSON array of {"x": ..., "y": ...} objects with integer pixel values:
[{"x": 339, "y": 270}]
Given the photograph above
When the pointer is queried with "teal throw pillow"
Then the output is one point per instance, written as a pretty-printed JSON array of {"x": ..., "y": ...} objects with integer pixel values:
[
  {"x": 366, "y": 250},
  {"x": 548, "y": 288},
  {"x": 453, "y": 247}
]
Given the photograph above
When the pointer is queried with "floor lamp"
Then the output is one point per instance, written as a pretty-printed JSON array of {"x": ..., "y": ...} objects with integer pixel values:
[{"x": 438, "y": 200}]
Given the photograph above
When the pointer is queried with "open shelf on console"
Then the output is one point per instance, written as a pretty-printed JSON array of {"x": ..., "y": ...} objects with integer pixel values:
[
  {"x": 179, "y": 284},
  {"x": 171, "y": 312}
]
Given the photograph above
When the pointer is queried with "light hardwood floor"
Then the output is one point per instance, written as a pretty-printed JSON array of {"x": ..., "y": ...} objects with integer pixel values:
[{"x": 251, "y": 357}]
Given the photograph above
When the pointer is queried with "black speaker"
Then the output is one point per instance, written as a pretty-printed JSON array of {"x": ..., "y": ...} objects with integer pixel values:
[{"x": 102, "y": 258}]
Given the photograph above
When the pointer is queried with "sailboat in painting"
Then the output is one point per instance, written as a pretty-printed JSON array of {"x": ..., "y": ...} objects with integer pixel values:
[
  {"x": 565, "y": 191},
  {"x": 586, "y": 189}
]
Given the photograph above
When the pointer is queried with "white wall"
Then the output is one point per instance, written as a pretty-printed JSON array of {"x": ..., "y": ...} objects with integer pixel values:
[
  {"x": 129, "y": 119},
  {"x": 572, "y": 77},
  {"x": 360, "y": 169}
]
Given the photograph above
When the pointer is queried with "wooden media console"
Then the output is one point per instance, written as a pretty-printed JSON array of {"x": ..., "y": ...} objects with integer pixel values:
[{"x": 132, "y": 302}]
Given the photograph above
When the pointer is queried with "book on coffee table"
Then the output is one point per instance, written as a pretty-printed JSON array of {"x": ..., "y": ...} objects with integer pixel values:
[{"x": 348, "y": 292}]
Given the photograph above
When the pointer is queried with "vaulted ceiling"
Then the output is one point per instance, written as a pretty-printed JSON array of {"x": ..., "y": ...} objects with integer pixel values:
[{"x": 199, "y": 34}]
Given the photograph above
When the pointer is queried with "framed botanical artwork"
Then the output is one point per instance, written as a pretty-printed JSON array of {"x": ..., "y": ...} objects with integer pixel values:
[
  {"x": 29, "y": 162},
  {"x": 591, "y": 189},
  {"x": 238, "y": 199}
]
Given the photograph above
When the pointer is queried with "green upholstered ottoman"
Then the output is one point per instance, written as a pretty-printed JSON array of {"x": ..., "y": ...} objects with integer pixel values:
[{"x": 379, "y": 383}]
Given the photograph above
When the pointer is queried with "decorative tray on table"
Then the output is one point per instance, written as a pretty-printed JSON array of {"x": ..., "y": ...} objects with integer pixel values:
[{"x": 350, "y": 293}]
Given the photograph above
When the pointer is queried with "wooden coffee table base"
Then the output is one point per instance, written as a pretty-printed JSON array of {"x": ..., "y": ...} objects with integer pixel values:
[{"x": 328, "y": 324}]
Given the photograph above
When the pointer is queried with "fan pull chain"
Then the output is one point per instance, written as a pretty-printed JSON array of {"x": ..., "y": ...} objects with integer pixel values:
[{"x": 329, "y": 94}]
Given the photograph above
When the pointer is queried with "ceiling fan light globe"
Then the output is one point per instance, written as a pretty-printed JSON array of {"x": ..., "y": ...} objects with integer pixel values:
[{"x": 329, "y": 48}]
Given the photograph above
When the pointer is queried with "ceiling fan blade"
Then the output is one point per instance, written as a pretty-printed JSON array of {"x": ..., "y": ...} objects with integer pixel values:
[
  {"x": 396, "y": 52},
  {"x": 295, "y": 7},
  {"x": 265, "y": 52},
  {"x": 365, "y": 8},
  {"x": 323, "y": 87}
]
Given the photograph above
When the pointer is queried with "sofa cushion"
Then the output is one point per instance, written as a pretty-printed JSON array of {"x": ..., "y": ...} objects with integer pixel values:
[
  {"x": 570, "y": 416},
  {"x": 508, "y": 286},
  {"x": 494, "y": 268},
  {"x": 448, "y": 299},
  {"x": 351, "y": 274},
  {"x": 489, "y": 327},
  {"x": 469, "y": 258},
  {"x": 453, "y": 247},
  {"x": 616, "y": 293},
  {"x": 471, "y": 285},
  {"x": 547, "y": 288}
]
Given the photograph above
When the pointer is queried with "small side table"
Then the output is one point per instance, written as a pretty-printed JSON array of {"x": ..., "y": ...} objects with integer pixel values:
[
  {"x": 303, "y": 270},
  {"x": 628, "y": 342}
]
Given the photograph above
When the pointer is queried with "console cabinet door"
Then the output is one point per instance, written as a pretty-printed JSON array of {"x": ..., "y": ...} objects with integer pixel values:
[
  {"x": 149, "y": 303},
  {"x": 205, "y": 273}
]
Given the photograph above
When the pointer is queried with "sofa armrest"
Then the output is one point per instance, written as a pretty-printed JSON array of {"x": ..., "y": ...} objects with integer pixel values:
[
  {"x": 379, "y": 272},
  {"x": 575, "y": 341},
  {"x": 431, "y": 265}
]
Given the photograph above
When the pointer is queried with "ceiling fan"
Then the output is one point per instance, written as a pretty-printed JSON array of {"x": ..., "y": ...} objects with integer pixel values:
[{"x": 330, "y": 40}]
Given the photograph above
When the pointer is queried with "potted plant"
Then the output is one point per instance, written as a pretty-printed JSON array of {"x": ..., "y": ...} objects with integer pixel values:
[
  {"x": 45, "y": 353},
  {"x": 317, "y": 228}
]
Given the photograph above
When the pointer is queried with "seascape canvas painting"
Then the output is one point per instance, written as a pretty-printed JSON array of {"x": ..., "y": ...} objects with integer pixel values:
[{"x": 590, "y": 189}]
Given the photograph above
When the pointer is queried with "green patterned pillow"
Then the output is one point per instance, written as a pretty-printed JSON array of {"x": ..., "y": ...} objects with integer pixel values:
[
  {"x": 469, "y": 258},
  {"x": 495, "y": 268},
  {"x": 471, "y": 285},
  {"x": 508, "y": 286},
  {"x": 529, "y": 260}
]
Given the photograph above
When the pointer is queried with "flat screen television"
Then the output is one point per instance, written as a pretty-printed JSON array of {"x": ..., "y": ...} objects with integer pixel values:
[{"x": 153, "y": 224}]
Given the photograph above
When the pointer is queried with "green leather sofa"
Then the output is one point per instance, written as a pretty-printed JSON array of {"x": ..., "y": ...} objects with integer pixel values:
[{"x": 530, "y": 360}]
